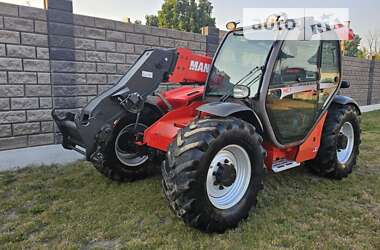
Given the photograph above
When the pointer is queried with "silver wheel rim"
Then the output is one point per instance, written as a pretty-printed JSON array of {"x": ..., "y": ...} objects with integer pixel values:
[
  {"x": 126, "y": 158},
  {"x": 229, "y": 196},
  {"x": 344, "y": 154}
]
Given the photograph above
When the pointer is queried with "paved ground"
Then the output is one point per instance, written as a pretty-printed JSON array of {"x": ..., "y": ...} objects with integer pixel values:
[{"x": 36, "y": 156}]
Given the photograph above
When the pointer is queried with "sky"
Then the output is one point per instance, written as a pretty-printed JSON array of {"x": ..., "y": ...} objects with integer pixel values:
[{"x": 364, "y": 14}]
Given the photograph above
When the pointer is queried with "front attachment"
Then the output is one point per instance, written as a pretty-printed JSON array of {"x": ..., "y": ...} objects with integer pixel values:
[
  {"x": 94, "y": 126},
  {"x": 70, "y": 133}
]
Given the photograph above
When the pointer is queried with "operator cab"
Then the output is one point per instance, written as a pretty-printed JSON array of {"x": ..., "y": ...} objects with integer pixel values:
[{"x": 287, "y": 83}]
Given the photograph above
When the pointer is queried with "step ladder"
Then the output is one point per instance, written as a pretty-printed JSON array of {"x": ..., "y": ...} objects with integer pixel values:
[{"x": 284, "y": 164}]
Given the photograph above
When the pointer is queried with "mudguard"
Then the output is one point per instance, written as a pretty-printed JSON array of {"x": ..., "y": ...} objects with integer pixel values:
[
  {"x": 224, "y": 109},
  {"x": 345, "y": 100}
]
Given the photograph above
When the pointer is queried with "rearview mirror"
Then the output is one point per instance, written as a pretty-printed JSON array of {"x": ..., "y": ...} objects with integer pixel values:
[
  {"x": 345, "y": 84},
  {"x": 241, "y": 91}
]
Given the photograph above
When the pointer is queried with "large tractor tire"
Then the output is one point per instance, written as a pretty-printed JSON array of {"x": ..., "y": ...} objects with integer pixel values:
[
  {"x": 124, "y": 161},
  {"x": 214, "y": 172},
  {"x": 339, "y": 143}
]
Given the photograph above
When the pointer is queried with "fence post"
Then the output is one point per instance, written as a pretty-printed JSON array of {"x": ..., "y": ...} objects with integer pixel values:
[
  {"x": 371, "y": 80},
  {"x": 61, "y": 44},
  {"x": 212, "y": 39}
]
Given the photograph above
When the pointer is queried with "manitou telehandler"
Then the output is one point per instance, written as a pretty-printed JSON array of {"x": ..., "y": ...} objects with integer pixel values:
[{"x": 257, "y": 106}]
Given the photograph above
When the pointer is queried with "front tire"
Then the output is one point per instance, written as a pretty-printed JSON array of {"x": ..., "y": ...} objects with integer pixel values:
[
  {"x": 213, "y": 173},
  {"x": 340, "y": 142},
  {"x": 119, "y": 164}
]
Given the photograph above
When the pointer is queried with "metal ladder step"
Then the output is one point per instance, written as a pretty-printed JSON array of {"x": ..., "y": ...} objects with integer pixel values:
[{"x": 283, "y": 164}]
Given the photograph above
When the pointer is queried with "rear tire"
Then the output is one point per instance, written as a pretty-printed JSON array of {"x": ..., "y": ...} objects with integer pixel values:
[
  {"x": 186, "y": 173},
  {"x": 333, "y": 159},
  {"x": 114, "y": 169}
]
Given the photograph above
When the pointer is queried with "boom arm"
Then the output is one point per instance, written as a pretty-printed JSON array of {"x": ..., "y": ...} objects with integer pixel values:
[{"x": 190, "y": 67}]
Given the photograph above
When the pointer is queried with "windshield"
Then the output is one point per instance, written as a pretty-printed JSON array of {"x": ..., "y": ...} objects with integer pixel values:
[{"x": 237, "y": 57}]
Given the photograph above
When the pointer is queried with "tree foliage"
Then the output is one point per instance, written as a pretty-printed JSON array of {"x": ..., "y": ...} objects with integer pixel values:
[
  {"x": 185, "y": 15},
  {"x": 352, "y": 47},
  {"x": 363, "y": 53},
  {"x": 151, "y": 20}
]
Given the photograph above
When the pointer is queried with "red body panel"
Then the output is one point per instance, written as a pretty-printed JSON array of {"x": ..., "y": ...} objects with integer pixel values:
[
  {"x": 190, "y": 68},
  {"x": 275, "y": 154},
  {"x": 304, "y": 152},
  {"x": 309, "y": 149},
  {"x": 181, "y": 96},
  {"x": 163, "y": 132}
]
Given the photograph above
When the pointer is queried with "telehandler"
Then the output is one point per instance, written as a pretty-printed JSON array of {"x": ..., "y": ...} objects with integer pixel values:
[{"x": 257, "y": 106}]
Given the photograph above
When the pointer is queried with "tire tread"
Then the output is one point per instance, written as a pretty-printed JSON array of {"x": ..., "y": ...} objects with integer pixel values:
[{"x": 180, "y": 170}]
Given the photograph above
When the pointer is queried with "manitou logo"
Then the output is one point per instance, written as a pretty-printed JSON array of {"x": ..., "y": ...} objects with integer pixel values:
[{"x": 199, "y": 66}]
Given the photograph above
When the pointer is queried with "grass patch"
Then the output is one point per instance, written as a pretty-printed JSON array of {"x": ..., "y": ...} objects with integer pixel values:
[{"x": 75, "y": 207}]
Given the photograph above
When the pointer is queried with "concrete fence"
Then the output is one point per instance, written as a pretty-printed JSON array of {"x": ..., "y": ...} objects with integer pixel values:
[
  {"x": 364, "y": 76},
  {"x": 56, "y": 59}
]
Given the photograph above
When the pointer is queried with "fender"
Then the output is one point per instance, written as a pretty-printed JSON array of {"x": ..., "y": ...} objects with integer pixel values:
[
  {"x": 224, "y": 109},
  {"x": 345, "y": 100}
]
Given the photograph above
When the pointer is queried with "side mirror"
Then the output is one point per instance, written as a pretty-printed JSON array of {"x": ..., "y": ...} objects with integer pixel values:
[
  {"x": 345, "y": 84},
  {"x": 241, "y": 91}
]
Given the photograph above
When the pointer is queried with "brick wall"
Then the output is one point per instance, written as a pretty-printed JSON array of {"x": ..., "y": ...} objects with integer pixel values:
[
  {"x": 374, "y": 92},
  {"x": 357, "y": 72},
  {"x": 56, "y": 59},
  {"x": 364, "y": 76},
  {"x": 25, "y": 87},
  {"x": 88, "y": 54}
]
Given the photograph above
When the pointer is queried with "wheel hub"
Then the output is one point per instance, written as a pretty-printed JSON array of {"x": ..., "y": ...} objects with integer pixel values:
[
  {"x": 126, "y": 149},
  {"x": 345, "y": 143},
  {"x": 342, "y": 141},
  {"x": 225, "y": 175},
  {"x": 228, "y": 177}
]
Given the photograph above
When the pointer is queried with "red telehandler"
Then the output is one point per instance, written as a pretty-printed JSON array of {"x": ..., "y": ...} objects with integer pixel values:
[{"x": 257, "y": 106}]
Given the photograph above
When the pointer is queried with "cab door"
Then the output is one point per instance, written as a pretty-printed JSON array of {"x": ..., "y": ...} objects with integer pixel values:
[
  {"x": 330, "y": 72},
  {"x": 292, "y": 98}
]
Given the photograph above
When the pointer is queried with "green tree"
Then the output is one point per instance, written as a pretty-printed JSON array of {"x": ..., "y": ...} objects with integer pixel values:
[
  {"x": 351, "y": 48},
  {"x": 205, "y": 10},
  {"x": 167, "y": 16},
  {"x": 185, "y": 15},
  {"x": 182, "y": 10},
  {"x": 362, "y": 53},
  {"x": 151, "y": 20},
  {"x": 193, "y": 17}
]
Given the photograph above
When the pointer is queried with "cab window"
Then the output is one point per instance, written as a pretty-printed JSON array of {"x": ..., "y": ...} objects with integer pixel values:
[
  {"x": 297, "y": 62},
  {"x": 292, "y": 99},
  {"x": 330, "y": 72}
]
